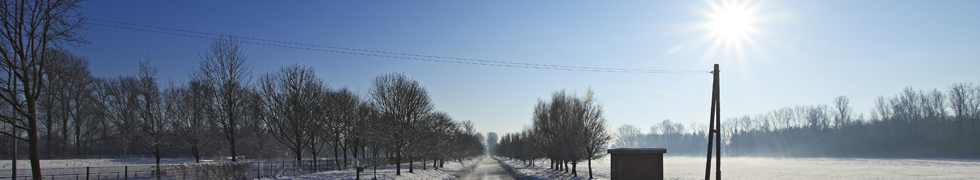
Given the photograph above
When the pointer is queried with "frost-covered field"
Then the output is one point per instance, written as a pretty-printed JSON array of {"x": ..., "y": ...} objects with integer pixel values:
[
  {"x": 788, "y": 168},
  {"x": 452, "y": 170},
  {"x": 94, "y": 168},
  {"x": 93, "y": 162},
  {"x": 60, "y": 163}
]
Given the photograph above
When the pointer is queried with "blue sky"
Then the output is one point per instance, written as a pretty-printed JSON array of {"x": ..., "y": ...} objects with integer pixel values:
[{"x": 794, "y": 53}]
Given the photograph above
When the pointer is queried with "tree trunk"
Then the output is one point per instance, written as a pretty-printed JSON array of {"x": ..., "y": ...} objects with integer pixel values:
[
  {"x": 562, "y": 166},
  {"x": 49, "y": 149},
  {"x": 234, "y": 153},
  {"x": 299, "y": 156},
  {"x": 33, "y": 145},
  {"x": 196, "y": 152},
  {"x": 78, "y": 137},
  {"x": 590, "y": 168},
  {"x": 157, "y": 173},
  {"x": 64, "y": 134},
  {"x": 398, "y": 161},
  {"x": 231, "y": 126},
  {"x": 354, "y": 151},
  {"x": 574, "y": 172},
  {"x": 335, "y": 155}
]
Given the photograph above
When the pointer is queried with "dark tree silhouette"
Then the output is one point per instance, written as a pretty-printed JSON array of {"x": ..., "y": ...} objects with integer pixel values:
[
  {"x": 224, "y": 67},
  {"x": 30, "y": 28},
  {"x": 293, "y": 105},
  {"x": 404, "y": 103}
]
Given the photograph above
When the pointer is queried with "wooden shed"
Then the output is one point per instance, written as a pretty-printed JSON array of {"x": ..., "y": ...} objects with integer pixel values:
[{"x": 637, "y": 163}]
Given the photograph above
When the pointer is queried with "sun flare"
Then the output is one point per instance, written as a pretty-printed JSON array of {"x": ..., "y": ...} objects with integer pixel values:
[
  {"x": 732, "y": 31},
  {"x": 731, "y": 23}
]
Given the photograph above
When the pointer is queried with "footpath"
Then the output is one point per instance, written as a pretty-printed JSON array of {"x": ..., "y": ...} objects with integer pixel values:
[{"x": 488, "y": 169}]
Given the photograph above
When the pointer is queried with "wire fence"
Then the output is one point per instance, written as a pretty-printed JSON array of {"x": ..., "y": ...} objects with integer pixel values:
[
  {"x": 89, "y": 173},
  {"x": 211, "y": 170}
]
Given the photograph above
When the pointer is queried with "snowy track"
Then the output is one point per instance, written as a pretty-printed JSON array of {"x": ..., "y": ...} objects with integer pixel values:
[{"x": 488, "y": 169}]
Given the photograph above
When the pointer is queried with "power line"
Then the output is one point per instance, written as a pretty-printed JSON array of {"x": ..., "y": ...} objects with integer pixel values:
[{"x": 363, "y": 52}]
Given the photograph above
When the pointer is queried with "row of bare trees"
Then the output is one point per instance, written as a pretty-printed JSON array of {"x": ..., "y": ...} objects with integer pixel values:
[
  {"x": 398, "y": 120},
  {"x": 914, "y": 123},
  {"x": 672, "y": 135},
  {"x": 219, "y": 112},
  {"x": 84, "y": 116},
  {"x": 566, "y": 130},
  {"x": 51, "y": 101}
]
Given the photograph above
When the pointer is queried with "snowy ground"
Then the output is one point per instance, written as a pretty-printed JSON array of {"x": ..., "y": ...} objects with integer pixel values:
[
  {"x": 452, "y": 170},
  {"x": 93, "y": 162},
  {"x": 488, "y": 169},
  {"x": 785, "y": 168},
  {"x": 540, "y": 170}
]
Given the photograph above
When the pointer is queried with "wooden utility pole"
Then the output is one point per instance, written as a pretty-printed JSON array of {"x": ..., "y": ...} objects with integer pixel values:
[{"x": 714, "y": 131}]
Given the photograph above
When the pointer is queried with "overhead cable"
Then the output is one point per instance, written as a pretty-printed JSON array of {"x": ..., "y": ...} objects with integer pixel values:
[{"x": 363, "y": 52}]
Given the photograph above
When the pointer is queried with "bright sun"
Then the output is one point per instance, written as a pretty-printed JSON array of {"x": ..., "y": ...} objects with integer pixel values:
[
  {"x": 732, "y": 29},
  {"x": 731, "y": 22}
]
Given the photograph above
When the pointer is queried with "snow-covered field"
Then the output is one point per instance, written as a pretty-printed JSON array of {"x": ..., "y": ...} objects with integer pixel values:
[
  {"x": 785, "y": 168},
  {"x": 93, "y": 162},
  {"x": 452, "y": 170}
]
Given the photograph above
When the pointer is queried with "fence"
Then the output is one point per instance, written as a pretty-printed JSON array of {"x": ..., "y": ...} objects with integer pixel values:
[
  {"x": 214, "y": 170},
  {"x": 87, "y": 173}
]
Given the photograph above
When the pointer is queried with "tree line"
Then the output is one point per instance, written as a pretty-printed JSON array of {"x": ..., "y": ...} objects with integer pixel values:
[
  {"x": 565, "y": 130},
  {"x": 220, "y": 112},
  {"x": 913, "y": 123}
]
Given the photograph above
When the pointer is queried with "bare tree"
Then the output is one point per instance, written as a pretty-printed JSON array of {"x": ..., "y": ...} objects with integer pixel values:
[
  {"x": 594, "y": 129},
  {"x": 30, "y": 28},
  {"x": 843, "y": 111},
  {"x": 567, "y": 130},
  {"x": 337, "y": 128},
  {"x": 627, "y": 136},
  {"x": 357, "y": 128},
  {"x": 344, "y": 119},
  {"x": 404, "y": 101},
  {"x": 881, "y": 111},
  {"x": 439, "y": 137},
  {"x": 153, "y": 127},
  {"x": 65, "y": 102},
  {"x": 195, "y": 105},
  {"x": 375, "y": 134},
  {"x": 491, "y": 142},
  {"x": 224, "y": 67},
  {"x": 964, "y": 101},
  {"x": 292, "y": 98}
]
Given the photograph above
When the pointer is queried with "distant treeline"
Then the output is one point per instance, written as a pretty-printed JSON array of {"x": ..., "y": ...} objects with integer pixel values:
[{"x": 914, "y": 123}]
